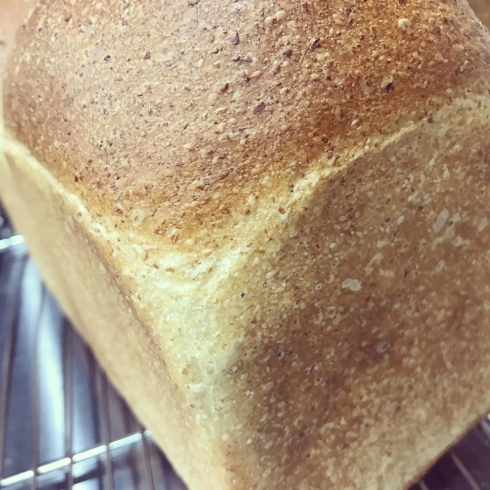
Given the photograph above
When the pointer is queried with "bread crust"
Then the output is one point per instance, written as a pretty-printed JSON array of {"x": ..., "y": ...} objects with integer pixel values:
[
  {"x": 312, "y": 291},
  {"x": 77, "y": 266},
  {"x": 175, "y": 113}
]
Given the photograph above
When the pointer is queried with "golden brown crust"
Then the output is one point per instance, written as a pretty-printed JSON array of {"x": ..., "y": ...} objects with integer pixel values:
[
  {"x": 338, "y": 330},
  {"x": 359, "y": 363},
  {"x": 12, "y": 13},
  {"x": 372, "y": 351},
  {"x": 174, "y": 114}
]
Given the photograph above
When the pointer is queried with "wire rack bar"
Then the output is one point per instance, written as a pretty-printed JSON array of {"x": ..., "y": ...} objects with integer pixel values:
[
  {"x": 464, "y": 471},
  {"x": 6, "y": 368},
  {"x": 36, "y": 438},
  {"x": 68, "y": 402},
  {"x": 106, "y": 426},
  {"x": 146, "y": 457},
  {"x": 66, "y": 463},
  {"x": 7, "y": 244}
]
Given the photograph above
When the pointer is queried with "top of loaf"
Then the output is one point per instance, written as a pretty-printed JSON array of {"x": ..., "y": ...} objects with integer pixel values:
[{"x": 182, "y": 117}]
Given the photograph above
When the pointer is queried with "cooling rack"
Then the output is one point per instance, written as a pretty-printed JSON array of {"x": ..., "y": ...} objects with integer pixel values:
[{"x": 63, "y": 426}]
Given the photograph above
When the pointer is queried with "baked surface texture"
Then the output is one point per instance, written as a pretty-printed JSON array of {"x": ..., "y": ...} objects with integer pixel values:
[
  {"x": 482, "y": 10},
  {"x": 270, "y": 220}
]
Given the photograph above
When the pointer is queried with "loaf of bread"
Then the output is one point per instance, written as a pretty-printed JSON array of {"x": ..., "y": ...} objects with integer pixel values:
[{"x": 270, "y": 220}]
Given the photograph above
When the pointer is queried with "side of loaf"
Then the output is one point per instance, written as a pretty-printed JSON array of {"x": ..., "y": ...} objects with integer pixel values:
[
  {"x": 270, "y": 220},
  {"x": 482, "y": 10}
]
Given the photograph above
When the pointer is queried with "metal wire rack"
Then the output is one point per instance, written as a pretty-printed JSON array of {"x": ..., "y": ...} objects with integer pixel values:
[{"x": 63, "y": 426}]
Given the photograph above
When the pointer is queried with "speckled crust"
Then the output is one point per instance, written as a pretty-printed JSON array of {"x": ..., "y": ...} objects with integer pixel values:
[
  {"x": 290, "y": 201},
  {"x": 371, "y": 342},
  {"x": 12, "y": 13},
  {"x": 482, "y": 9},
  {"x": 176, "y": 112}
]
